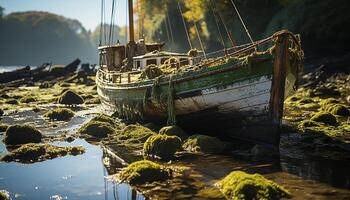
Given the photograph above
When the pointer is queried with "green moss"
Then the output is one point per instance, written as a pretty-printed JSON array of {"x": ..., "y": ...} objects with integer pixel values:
[
  {"x": 144, "y": 171},
  {"x": 70, "y": 98},
  {"x": 329, "y": 101},
  {"x": 97, "y": 129},
  {"x": 134, "y": 133},
  {"x": 240, "y": 185},
  {"x": 38, "y": 152},
  {"x": 27, "y": 99},
  {"x": 337, "y": 109},
  {"x": 173, "y": 131},
  {"x": 3, "y": 127},
  {"x": 104, "y": 118},
  {"x": 21, "y": 134},
  {"x": 325, "y": 117},
  {"x": 60, "y": 114},
  {"x": 319, "y": 128},
  {"x": 205, "y": 144},
  {"x": 4, "y": 195},
  {"x": 162, "y": 146}
]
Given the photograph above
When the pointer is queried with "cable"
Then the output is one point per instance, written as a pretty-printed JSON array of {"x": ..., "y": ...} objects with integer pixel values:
[
  {"x": 184, "y": 23},
  {"x": 240, "y": 18}
]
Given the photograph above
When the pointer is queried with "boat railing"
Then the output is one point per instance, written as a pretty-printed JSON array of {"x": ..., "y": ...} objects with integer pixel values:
[{"x": 116, "y": 77}]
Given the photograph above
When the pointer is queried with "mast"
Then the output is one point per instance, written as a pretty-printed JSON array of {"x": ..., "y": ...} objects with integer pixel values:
[{"x": 131, "y": 21}]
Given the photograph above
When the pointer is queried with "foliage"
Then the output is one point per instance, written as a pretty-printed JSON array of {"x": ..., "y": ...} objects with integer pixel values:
[
  {"x": 239, "y": 185},
  {"x": 60, "y": 114},
  {"x": 144, "y": 171},
  {"x": 39, "y": 152},
  {"x": 43, "y": 37},
  {"x": 22, "y": 134},
  {"x": 162, "y": 146}
]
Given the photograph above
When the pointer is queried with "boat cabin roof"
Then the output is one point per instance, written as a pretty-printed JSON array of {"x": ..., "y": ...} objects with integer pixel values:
[{"x": 155, "y": 54}]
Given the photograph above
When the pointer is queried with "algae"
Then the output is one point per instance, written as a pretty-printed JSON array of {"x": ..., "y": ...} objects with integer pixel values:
[
  {"x": 12, "y": 101},
  {"x": 22, "y": 134},
  {"x": 325, "y": 117},
  {"x": 39, "y": 152},
  {"x": 59, "y": 114},
  {"x": 337, "y": 109},
  {"x": 240, "y": 185},
  {"x": 70, "y": 98},
  {"x": 104, "y": 118},
  {"x": 162, "y": 146},
  {"x": 173, "y": 131},
  {"x": 96, "y": 129},
  {"x": 205, "y": 144},
  {"x": 144, "y": 171}
]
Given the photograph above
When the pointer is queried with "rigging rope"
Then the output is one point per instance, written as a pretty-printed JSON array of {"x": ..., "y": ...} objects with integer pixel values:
[
  {"x": 110, "y": 38},
  {"x": 227, "y": 31},
  {"x": 217, "y": 24},
  {"x": 171, "y": 30},
  {"x": 199, "y": 38},
  {"x": 167, "y": 31},
  {"x": 101, "y": 25},
  {"x": 184, "y": 23},
  {"x": 240, "y": 18}
]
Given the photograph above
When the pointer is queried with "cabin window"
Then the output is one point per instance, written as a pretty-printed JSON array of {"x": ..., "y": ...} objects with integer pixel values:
[
  {"x": 151, "y": 61},
  {"x": 184, "y": 61},
  {"x": 138, "y": 64},
  {"x": 162, "y": 61}
]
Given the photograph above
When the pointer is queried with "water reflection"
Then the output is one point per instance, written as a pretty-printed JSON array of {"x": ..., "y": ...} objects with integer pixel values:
[{"x": 70, "y": 177}]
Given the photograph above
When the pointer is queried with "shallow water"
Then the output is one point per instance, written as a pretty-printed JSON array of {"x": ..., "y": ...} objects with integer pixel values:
[
  {"x": 70, "y": 177},
  {"x": 85, "y": 176}
]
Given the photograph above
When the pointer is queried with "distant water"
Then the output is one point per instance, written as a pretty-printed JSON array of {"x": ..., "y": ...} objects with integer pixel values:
[{"x": 12, "y": 68}]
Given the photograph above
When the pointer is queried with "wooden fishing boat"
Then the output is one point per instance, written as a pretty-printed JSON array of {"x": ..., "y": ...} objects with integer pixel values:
[{"x": 239, "y": 94}]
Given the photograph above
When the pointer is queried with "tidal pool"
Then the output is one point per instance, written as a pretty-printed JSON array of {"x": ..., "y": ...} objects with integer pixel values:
[{"x": 70, "y": 177}]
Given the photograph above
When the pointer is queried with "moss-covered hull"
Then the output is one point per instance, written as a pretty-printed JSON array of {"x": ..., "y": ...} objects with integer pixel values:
[{"x": 222, "y": 98}]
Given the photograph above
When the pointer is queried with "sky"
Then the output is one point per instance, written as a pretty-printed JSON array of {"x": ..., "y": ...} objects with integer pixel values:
[{"x": 88, "y": 12}]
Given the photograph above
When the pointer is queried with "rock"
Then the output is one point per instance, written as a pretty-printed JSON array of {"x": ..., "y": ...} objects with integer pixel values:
[
  {"x": 144, "y": 171},
  {"x": 12, "y": 101},
  {"x": 22, "y": 134},
  {"x": 104, "y": 118},
  {"x": 173, "y": 131},
  {"x": 260, "y": 150},
  {"x": 205, "y": 144},
  {"x": 348, "y": 99},
  {"x": 44, "y": 85},
  {"x": 1, "y": 112},
  {"x": 27, "y": 99},
  {"x": 240, "y": 185},
  {"x": 70, "y": 98},
  {"x": 162, "y": 146},
  {"x": 97, "y": 129},
  {"x": 325, "y": 117},
  {"x": 60, "y": 114},
  {"x": 134, "y": 133},
  {"x": 38, "y": 152},
  {"x": 337, "y": 109}
]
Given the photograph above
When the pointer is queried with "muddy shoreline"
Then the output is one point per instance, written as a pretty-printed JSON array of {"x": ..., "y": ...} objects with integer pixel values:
[{"x": 312, "y": 163}]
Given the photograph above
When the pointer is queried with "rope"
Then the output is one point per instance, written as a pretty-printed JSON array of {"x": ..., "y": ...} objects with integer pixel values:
[
  {"x": 101, "y": 29},
  {"x": 184, "y": 23},
  {"x": 199, "y": 38},
  {"x": 171, "y": 103},
  {"x": 227, "y": 31},
  {"x": 170, "y": 28},
  {"x": 240, "y": 18},
  {"x": 167, "y": 30},
  {"x": 217, "y": 24},
  {"x": 110, "y": 39}
]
